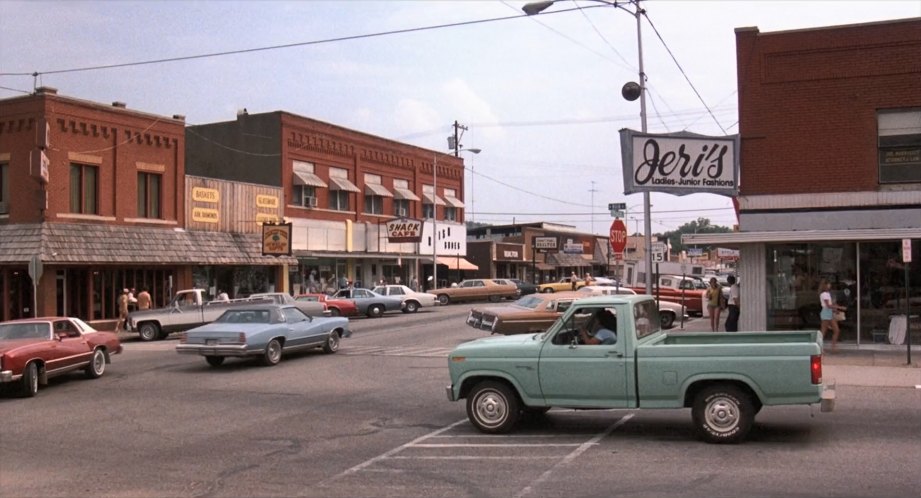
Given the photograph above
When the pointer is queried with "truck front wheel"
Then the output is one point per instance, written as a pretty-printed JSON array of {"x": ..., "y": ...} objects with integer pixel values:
[
  {"x": 149, "y": 331},
  {"x": 723, "y": 414},
  {"x": 493, "y": 407}
]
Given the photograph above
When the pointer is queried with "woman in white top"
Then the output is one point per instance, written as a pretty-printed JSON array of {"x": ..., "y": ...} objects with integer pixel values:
[{"x": 828, "y": 313}]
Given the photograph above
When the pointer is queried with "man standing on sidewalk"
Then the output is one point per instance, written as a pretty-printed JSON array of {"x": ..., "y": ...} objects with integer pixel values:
[{"x": 732, "y": 320}]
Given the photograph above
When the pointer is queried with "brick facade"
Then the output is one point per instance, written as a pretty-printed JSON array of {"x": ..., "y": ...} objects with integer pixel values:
[{"x": 808, "y": 103}]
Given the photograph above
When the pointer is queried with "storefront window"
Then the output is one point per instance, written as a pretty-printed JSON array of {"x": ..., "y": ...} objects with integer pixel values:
[{"x": 868, "y": 278}]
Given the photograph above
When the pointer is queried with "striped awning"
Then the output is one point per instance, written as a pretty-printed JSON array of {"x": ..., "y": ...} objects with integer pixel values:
[
  {"x": 377, "y": 189},
  {"x": 454, "y": 202},
  {"x": 309, "y": 179},
  {"x": 432, "y": 199},
  {"x": 342, "y": 184},
  {"x": 404, "y": 194}
]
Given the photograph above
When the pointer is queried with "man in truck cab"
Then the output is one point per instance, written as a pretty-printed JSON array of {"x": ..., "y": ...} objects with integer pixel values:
[{"x": 603, "y": 326}]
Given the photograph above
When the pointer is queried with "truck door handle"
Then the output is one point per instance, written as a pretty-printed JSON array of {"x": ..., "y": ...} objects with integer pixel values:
[{"x": 616, "y": 353}]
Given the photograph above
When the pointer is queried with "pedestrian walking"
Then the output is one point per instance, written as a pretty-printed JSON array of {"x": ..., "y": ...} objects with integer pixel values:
[
  {"x": 122, "y": 310},
  {"x": 732, "y": 319},
  {"x": 714, "y": 303},
  {"x": 829, "y": 309}
]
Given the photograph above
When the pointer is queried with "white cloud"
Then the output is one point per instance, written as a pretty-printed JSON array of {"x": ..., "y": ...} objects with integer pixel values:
[{"x": 470, "y": 107}]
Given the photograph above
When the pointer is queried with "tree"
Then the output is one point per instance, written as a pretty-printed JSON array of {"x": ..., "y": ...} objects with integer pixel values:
[{"x": 700, "y": 225}]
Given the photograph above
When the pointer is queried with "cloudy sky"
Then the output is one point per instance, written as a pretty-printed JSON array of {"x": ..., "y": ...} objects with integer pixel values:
[{"x": 539, "y": 95}]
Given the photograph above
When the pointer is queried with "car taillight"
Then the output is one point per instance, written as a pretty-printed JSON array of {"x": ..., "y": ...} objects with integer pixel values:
[
  {"x": 816, "y": 368},
  {"x": 183, "y": 337}
]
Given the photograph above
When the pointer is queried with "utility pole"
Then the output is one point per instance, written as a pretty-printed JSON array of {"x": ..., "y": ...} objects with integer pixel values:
[{"x": 592, "y": 190}]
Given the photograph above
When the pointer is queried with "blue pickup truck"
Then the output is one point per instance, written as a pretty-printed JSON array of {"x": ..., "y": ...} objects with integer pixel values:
[{"x": 724, "y": 378}]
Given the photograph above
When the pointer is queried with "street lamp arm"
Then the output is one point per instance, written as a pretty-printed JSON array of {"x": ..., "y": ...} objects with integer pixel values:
[{"x": 534, "y": 8}]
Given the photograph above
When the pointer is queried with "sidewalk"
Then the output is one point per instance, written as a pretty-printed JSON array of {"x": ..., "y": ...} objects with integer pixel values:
[{"x": 869, "y": 365}]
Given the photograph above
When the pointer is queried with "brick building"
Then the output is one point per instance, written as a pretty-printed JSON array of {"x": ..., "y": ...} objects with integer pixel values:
[
  {"x": 94, "y": 196},
  {"x": 830, "y": 125},
  {"x": 338, "y": 188}
]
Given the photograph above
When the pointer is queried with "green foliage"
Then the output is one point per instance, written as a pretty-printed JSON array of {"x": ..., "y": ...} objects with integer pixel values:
[{"x": 700, "y": 225}]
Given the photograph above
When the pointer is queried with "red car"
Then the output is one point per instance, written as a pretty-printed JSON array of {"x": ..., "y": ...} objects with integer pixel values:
[
  {"x": 336, "y": 307},
  {"x": 32, "y": 350}
]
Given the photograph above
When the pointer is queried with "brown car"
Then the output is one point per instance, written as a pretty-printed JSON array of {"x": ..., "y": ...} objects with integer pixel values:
[
  {"x": 479, "y": 289},
  {"x": 531, "y": 313}
]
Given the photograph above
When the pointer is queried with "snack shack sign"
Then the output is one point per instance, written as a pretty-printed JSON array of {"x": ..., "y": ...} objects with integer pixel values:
[
  {"x": 680, "y": 163},
  {"x": 404, "y": 230}
]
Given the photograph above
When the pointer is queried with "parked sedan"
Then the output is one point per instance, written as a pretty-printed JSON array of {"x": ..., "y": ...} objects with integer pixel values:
[
  {"x": 309, "y": 308},
  {"x": 335, "y": 307},
  {"x": 524, "y": 288},
  {"x": 532, "y": 313},
  {"x": 412, "y": 300},
  {"x": 562, "y": 285},
  {"x": 478, "y": 289},
  {"x": 36, "y": 349},
  {"x": 264, "y": 330},
  {"x": 371, "y": 303}
]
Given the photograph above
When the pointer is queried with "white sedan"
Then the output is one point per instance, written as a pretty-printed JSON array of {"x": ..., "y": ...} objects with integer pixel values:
[
  {"x": 669, "y": 312},
  {"x": 412, "y": 300}
]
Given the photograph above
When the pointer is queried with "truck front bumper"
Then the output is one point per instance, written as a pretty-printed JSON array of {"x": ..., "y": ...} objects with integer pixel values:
[{"x": 449, "y": 391}]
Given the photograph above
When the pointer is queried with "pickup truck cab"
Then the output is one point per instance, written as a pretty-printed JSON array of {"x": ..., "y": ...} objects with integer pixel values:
[{"x": 724, "y": 378}]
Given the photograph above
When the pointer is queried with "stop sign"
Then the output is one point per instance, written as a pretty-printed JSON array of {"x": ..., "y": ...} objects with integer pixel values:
[{"x": 618, "y": 235}]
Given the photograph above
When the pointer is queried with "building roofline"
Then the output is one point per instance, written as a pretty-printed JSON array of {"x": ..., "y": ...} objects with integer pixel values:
[
  {"x": 825, "y": 28},
  {"x": 48, "y": 93}
]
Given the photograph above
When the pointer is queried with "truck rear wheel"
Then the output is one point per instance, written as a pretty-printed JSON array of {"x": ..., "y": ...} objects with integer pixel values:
[
  {"x": 723, "y": 414},
  {"x": 493, "y": 407}
]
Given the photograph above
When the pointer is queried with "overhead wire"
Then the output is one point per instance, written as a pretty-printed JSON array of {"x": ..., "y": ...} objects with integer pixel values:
[{"x": 278, "y": 47}]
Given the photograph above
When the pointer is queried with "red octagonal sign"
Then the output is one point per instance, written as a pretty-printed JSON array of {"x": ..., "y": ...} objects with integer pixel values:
[{"x": 618, "y": 236}]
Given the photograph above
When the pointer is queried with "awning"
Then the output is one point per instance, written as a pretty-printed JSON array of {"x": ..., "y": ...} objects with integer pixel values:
[
  {"x": 377, "y": 189},
  {"x": 342, "y": 184},
  {"x": 437, "y": 200},
  {"x": 456, "y": 263},
  {"x": 781, "y": 236},
  {"x": 94, "y": 244},
  {"x": 544, "y": 267},
  {"x": 560, "y": 259},
  {"x": 309, "y": 179},
  {"x": 404, "y": 194},
  {"x": 454, "y": 202}
]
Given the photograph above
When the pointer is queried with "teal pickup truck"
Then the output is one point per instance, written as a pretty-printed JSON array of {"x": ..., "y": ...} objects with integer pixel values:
[{"x": 725, "y": 378}]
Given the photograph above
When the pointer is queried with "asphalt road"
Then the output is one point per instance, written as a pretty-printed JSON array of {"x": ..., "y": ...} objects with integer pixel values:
[{"x": 372, "y": 420}]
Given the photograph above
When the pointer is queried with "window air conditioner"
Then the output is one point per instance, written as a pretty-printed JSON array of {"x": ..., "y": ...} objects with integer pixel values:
[
  {"x": 310, "y": 201},
  {"x": 401, "y": 212}
]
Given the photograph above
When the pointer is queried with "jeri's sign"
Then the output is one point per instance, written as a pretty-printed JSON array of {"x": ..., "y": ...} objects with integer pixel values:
[{"x": 680, "y": 163}]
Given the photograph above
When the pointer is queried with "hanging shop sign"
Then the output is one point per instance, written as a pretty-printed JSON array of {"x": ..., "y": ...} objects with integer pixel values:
[
  {"x": 276, "y": 239},
  {"x": 404, "y": 230},
  {"x": 680, "y": 163}
]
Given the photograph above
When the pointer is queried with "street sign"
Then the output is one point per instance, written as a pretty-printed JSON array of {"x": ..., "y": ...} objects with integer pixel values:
[
  {"x": 906, "y": 250},
  {"x": 620, "y": 206},
  {"x": 658, "y": 252},
  {"x": 35, "y": 268},
  {"x": 618, "y": 236}
]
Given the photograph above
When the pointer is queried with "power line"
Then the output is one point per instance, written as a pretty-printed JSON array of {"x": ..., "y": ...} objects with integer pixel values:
[
  {"x": 277, "y": 47},
  {"x": 681, "y": 69}
]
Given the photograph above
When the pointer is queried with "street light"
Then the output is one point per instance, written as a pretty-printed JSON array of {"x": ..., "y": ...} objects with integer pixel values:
[{"x": 537, "y": 7}]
